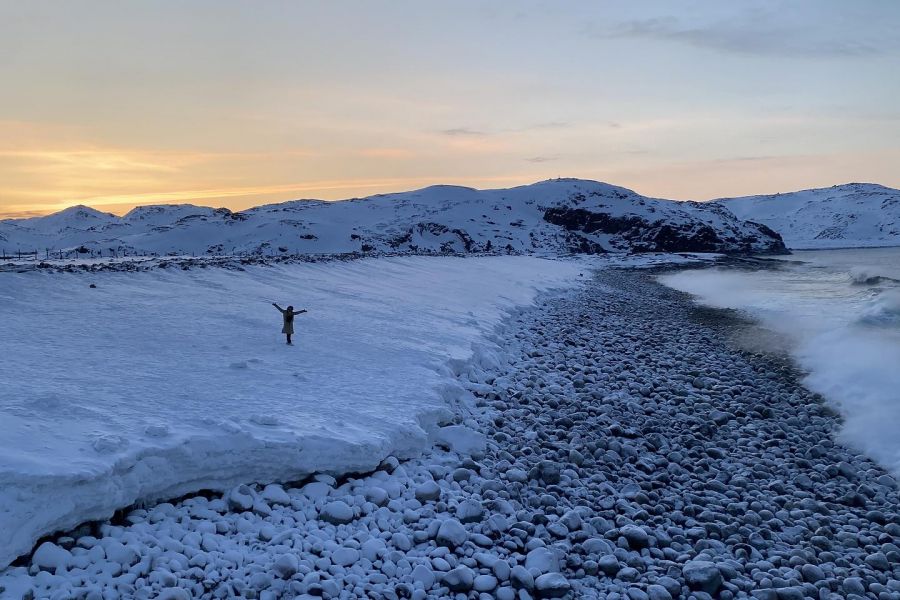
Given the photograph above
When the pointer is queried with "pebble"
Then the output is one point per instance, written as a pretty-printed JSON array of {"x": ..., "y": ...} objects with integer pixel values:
[
  {"x": 690, "y": 466},
  {"x": 337, "y": 512},
  {"x": 429, "y": 491},
  {"x": 552, "y": 585},
  {"x": 460, "y": 579},
  {"x": 702, "y": 575}
]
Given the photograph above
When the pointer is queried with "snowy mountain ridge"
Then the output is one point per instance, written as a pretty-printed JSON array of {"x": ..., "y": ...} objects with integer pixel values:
[
  {"x": 549, "y": 217},
  {"x": 843, "y": 216}
]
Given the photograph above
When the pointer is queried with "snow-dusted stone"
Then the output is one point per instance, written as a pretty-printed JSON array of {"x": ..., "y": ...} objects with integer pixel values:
[
  {"x": 505, "y": 593},
  {"x": 462, "y": 474},
  {"x": 173, "y": 593},
  {"x": 460, "y": 579},
  {"x": 286, "y": 566},
  {"x": 261, "y": 508},
  {"x": 376, "y": 495},
  {"x": 429, "y": 491},
  {"x": 389, "y": 464},
  {"x": 497, "y": 523},
  {"x": 597, "y": 546},
  {"x": 462, "y": 440},
  {"x": 552, "y": 585},
  {"x": 609, "y": 565},
  {"x": 501, "y": 570},
  {"x": 451, "y": 533},
  {"x": 658, "y": 592},
  {"x": 345, "y": 556},
  {"x": 521, "y": 578},
  {"x": 572, "y": 520},
  {"x": 119, "y": 553},
  {"x": 423, "y": 575},
  {"x": 485, "y": 583},
  {"x": 516, "y": 475},
  {"x": 240, "y": 499},
  {"x": 542, "y": 560},
  {"x": 558, "y": 529},
  {"x": 275, "y": 494},
  {"x": 485, "y": 559},
  {"x": 51, "y": 557},
  {"x": 702, "y": 575},
  {"x": 401, "y": 541},
  {"x": 337, "y": 512},
  {"x": 469, "y": 511},
  {"x": 316, "y": 490},
  {"x": 672, "y": 585},
  {"x": 373, "y": 548}
]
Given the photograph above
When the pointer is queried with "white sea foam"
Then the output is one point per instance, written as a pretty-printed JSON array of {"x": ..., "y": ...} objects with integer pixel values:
[{"x": 841, "y": 312}]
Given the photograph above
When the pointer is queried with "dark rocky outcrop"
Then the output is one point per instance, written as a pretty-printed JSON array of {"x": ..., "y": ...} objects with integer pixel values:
[{"x": 643, "y": 235}]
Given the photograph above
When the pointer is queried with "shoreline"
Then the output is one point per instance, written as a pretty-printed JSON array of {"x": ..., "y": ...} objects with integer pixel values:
[{"x": 548, "y": 495}]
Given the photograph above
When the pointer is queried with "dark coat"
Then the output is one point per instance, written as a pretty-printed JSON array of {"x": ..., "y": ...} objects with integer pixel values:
[{"x": 288, "y": 322}]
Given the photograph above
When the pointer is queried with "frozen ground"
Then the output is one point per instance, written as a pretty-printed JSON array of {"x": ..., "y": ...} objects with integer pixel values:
[
  {"x": 159, "y": 383},
  {"x": 690, "y": 470}
]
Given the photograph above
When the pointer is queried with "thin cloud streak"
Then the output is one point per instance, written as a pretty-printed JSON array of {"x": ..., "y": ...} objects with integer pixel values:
[
  {"x": 463, "y": 131},
  {"x": 757, "y": 34}
]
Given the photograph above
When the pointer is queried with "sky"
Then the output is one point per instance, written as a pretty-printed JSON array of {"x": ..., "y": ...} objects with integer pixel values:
[{"x": 239, "y": 103}]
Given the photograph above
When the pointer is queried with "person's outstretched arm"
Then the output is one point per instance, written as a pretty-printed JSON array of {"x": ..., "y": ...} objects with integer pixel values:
[
  {"x": 278, "y": 307},
  {"x": 302, "y": 310}
]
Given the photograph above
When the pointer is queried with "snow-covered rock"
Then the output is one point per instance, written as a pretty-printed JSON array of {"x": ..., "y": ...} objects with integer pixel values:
[
  {"x": 337, "y": 513},
  {"x": 51, "y": 557},
  {"x": 550, "y": 217},
  {"x": 854, "y": 215},
  {"x": 451, "y": 534},
  {"x": 542, "y": 560},
  {"x": 461, "y": 439}
]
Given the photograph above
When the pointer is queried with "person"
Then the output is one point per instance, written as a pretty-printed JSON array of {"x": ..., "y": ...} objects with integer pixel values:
[{"x": 288, "y": 314}]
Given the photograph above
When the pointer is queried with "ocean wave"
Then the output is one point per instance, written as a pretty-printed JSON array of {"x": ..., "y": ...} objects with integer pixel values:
[
  {"x": 846, "y": 340},
  {"x": 866, "y": 277},
  {"x": 883, "y": 310}
]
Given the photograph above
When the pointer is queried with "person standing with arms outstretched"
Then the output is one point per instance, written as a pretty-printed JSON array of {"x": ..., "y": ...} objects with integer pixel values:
[{"x": 288, "y": 314}]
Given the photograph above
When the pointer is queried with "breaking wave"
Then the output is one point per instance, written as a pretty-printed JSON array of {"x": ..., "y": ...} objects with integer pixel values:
[{"x": 843, "y": 324}]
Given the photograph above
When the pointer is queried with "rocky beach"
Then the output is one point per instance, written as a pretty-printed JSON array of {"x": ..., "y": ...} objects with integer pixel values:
[{"x": 614, "y": 443}]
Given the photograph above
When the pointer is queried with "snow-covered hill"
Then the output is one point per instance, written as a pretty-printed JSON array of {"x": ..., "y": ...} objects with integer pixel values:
[
  {"x": 844, "y": 216},
  {"x": 550, "y": 217}
]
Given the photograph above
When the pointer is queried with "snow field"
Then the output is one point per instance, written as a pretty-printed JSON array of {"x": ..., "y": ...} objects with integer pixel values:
[
  {"x": 156, "y": 384},
  {"x": 571, "y": 473}
]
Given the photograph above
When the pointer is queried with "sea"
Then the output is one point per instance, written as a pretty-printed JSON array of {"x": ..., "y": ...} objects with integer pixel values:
[{"x": 837, "y": 312}]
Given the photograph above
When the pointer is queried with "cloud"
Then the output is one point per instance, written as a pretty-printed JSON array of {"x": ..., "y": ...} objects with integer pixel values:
[
  {"x": 547, "y": 125},
  {"x": 757, "y": 33},
  {"x": 542, "y": 159},
  {"x": 463, "y": 131},
  {"x": 470, "y": 132}
]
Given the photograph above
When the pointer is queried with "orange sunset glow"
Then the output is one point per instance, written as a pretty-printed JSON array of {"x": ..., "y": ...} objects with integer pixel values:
[{"x": 236, "y": 104}]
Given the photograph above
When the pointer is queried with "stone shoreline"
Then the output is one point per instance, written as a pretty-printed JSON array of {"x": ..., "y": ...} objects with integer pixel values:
[{"x": 616, "y": 446}]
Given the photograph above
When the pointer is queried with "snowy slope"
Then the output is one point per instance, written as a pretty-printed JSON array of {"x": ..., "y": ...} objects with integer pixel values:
[
  {"x": 551, "y": 217},
  {"x": 854, "y": 215},
  {"x": 159, "y": 383}
]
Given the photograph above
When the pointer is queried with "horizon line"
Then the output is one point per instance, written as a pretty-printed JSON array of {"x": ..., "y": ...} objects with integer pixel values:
[{"x": 236, "y": 193}]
